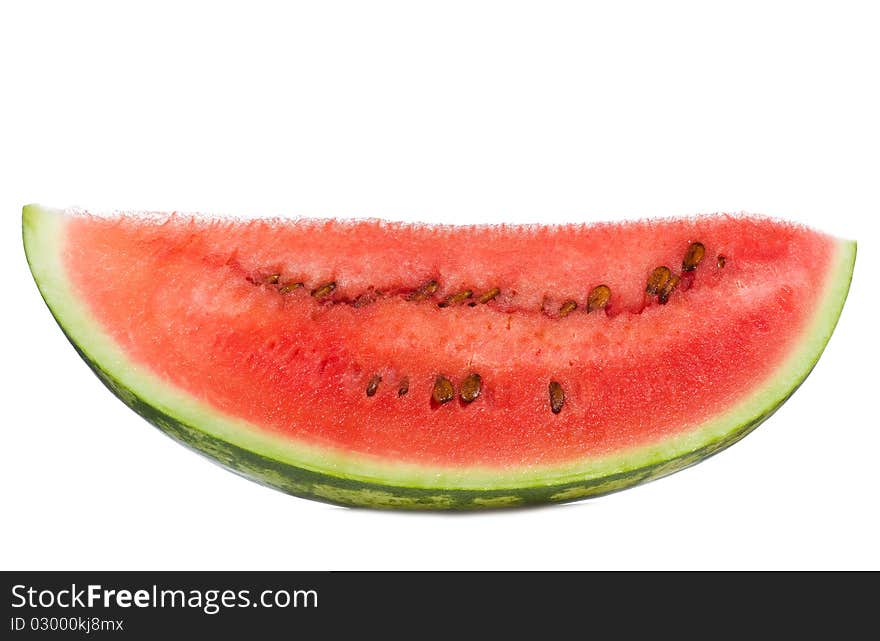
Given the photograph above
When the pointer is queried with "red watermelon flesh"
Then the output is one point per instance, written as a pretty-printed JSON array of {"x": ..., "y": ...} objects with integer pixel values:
[{"x": 333, "y": 334}]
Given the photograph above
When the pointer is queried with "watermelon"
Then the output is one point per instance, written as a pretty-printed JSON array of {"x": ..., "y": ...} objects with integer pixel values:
[{"x": 391, "y": 365}]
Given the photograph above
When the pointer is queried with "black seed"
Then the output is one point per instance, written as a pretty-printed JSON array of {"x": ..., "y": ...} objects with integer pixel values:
[
  {"x": 286, "y": 288},
  {"x": 273, "y": 279},
  {"x": 692, "y": 257},
  {"x": 567, "y": 308},
  {"x": 598, "y": 298},
  {"x": 367, "y": 298},
  {"x": 657, "y": 280},
  {"x": 471, "y": 388},
  {"x": 443, "y": 391},
  {"x": 668, "y": 288},
  {"x": 722, "y": 261},
  {"x": 373, "y": 385},
  {"x": 324, "y": 290},
  {"x": 455, "y": 299},
  {"x": 425, "y": 291},
  {"x": 557, "y": 397},
  {"x": 489, "y": 295},
  {"x": 403, "y": 388}
]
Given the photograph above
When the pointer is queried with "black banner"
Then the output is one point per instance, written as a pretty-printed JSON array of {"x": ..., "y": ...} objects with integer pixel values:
[{"x": 287, "y": 604}]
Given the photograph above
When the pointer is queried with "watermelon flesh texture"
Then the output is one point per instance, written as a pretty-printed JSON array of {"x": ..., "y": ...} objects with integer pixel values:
[{"x": 306, "y": 354}]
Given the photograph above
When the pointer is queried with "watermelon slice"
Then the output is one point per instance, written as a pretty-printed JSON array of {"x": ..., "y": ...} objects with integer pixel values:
[{"x": 411, "y": 366}]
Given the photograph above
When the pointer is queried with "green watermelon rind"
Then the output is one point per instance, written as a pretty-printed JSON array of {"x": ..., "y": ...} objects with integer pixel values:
[{"x": 331, "y": 475}]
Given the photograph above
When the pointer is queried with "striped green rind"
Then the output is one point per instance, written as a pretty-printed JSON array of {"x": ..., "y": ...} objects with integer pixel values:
[{"x": 346, "y": 478}]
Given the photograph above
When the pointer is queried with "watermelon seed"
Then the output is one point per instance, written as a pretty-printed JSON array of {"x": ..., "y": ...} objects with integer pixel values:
[
  {"x": 324, "y": 290},
  {"x": 567, "y": 308},
  {"x": 271, "y": 279},
  {"x": 598, "y": 298},
  {"x": 403, "y": 388},
  {"x": 557, "y": 397},
  {"x": 366, "y": 298},
  {"x": 471, "y": 388},
  {"x": 490, "y": 295},
  {"x": 373, "y": 385},
  {"x": 693, "y": 256},
  {"x": 668, "y": 288},
  {"x": 443, "y": 391},
  {"x": 289, "y": 287},
  {"x": 722, "y": 261},
  {"x": 455, "y": 299},
  {"x": 425, "y": 291},
  {"x": 657, "y": 280}
]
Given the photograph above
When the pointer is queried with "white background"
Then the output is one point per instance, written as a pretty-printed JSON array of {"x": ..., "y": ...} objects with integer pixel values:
[{"x": 455, "y": 112}]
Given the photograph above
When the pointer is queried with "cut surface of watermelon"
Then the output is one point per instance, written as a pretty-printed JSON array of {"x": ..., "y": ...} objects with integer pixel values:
[{"x": 415, "y": 366}]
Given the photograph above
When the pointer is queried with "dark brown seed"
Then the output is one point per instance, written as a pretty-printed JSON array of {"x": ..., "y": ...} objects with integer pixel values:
[
  {"x": 324, "y": 290},
  {"x": 443, "y": 391},
  {"x": 286, "y": 288},
  {"x": 490, "y": 295},
  {"x": 367, "y": 298},
  {"x": 722, "y": 261},
  {"x": 273, "y": 279},
  {"x": 455, "y": 299},
  {"x": 403, "y": 388},
  {"x": 425, "y": 291},
  {"x": 668, "y": 288},
  {"x": 373, "y": 385},
  {"x": 567, "y": 308},
  {"x": 598, "y": 298},
  {"x": 692, "y": 257},
  {"x": 657, "y": 280},
  {"x": 557, "y": 397},
  {"x": 471, "y": 388}
]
